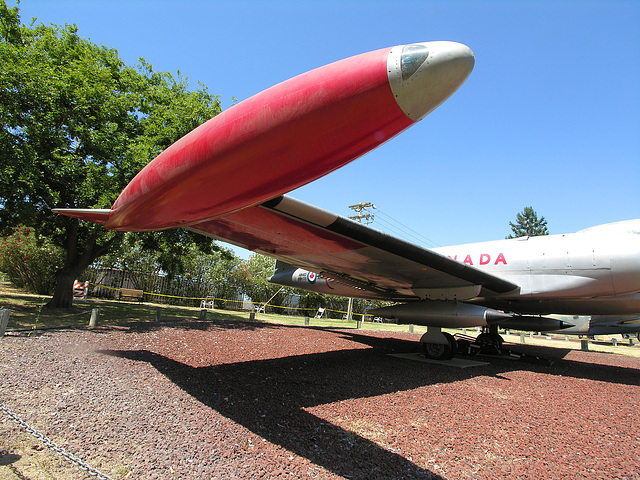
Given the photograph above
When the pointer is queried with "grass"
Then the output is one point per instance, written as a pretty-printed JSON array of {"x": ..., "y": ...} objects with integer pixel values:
[{"x": 27, "y": 312}]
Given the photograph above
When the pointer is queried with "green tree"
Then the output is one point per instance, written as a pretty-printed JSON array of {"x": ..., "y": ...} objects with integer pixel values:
[
  {"x": 528, "y": 224},
  {"x": 29, "y": 261},
  {"x": 253, "y": 277},
  {"x": 210, "y": 274},
  {"x": 77, "y": 125},
  {"x": 201, "y": 275}
]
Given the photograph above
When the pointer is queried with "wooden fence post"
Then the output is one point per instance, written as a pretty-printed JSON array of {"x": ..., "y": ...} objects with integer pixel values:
[
  {"x": 4, "y": 320},
  {"x": 95, "y": 316}
]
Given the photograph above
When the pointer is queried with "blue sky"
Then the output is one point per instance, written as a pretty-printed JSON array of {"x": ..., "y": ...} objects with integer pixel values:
[{"x": 549, "y": 118}]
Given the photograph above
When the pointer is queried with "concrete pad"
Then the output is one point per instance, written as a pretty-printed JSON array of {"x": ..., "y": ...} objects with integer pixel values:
[{"x": 454, "y": 362}]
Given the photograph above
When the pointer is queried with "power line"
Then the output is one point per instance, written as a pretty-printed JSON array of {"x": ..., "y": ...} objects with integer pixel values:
[
  {"x": 363, "y": 215},
  {"x": 403, "y": 230}
]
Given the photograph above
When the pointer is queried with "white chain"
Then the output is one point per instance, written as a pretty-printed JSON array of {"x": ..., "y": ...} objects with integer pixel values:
[{"x": 59, "y": 450}]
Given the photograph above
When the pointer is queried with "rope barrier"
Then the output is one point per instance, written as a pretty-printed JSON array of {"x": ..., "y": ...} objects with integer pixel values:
[
  {"x": 49, "y": 316},
  {"x": 260, "y": 304}
]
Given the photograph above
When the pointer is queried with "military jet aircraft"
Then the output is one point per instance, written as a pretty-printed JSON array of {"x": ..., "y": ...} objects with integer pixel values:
[
  {"x": 227, "y": 179},
  {"x": 516, "y": 283}
]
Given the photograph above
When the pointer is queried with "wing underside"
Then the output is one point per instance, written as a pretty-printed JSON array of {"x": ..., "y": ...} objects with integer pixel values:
[{"x": 317, "y": 240}]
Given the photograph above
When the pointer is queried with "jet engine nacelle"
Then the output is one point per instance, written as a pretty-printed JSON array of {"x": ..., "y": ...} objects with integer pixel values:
[{"x": 436, "y": 313}]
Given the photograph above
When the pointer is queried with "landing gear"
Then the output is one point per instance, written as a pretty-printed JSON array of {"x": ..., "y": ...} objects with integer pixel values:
[
  {"x": 489, "y": 343},
  {"x": 438, "y": 345}
]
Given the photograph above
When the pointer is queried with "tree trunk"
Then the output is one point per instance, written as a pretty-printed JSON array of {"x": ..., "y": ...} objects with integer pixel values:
[
  {"x": 63, "y": 292},
  {"x": 76, "y": 261}
]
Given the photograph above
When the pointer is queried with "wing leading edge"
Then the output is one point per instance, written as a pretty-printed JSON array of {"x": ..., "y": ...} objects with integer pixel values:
[{"x": 317, "y": 240}]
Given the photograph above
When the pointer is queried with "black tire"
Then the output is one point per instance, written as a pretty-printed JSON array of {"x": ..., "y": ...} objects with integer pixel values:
[
  {"x": 453, "y": 345},
  {"x": 436, "y": 351},
  {"x": 439, "y": 351},
  {"x": 490, "y": 344}
]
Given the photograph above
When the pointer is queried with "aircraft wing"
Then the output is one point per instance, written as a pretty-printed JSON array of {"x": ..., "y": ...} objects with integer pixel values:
[{"x": 328, "y": 244}]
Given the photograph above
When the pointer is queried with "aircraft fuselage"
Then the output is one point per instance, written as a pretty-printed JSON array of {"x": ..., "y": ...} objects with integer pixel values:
[{"x": 592, "y": 272}]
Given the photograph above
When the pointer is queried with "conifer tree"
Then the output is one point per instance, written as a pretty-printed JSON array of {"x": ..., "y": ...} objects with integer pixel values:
[{"x": 528, "y": 224}]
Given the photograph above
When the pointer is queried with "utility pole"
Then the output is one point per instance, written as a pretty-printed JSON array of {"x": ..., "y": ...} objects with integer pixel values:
[{"x": 363, "y": 214}]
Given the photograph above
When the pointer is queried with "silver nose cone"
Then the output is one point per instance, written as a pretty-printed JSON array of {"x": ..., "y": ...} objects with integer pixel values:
[{"x": 423, "y": 75}]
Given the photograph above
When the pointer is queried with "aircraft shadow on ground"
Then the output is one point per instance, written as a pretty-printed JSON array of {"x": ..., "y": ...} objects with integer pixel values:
[
  {"x": 268, "y": 397},
  {"x": 561, "y": 366}
]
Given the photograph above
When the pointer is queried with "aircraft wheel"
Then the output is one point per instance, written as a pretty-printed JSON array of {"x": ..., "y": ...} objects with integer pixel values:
[
  {"x": 439, "y": 351},
  {"x": 490, "y": 343}
]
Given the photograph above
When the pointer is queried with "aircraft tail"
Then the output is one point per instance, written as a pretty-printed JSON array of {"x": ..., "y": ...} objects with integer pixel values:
[{"x": 96, "y": 215}]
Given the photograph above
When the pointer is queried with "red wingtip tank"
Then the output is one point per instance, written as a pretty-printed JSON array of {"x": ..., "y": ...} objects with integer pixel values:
[{"x": 290, "y": 135}]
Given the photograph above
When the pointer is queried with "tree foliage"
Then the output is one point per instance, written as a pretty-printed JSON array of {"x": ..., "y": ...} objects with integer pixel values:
[
  {"x": 77, "y": 125},
  {"x": 253, "y": 278},
  {"x": 30, "y": 261},
  {"x": 203, "y": 274},
  {"x": 528, "y": 224}
]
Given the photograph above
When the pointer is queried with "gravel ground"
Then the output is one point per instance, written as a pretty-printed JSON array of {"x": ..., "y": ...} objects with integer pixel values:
[{"x": 237, "y": 400}]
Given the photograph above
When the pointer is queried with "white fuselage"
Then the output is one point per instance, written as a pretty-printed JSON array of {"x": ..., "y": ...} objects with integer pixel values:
[{"x": 594, "y": 271}]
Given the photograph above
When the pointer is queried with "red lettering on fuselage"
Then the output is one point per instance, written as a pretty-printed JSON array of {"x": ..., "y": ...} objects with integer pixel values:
[
  {"x": 501, "y": 259},
  {"x": 484, "y": 259}
]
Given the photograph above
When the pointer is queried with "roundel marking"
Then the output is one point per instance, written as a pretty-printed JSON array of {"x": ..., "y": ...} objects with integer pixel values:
[{"x": 312, "y": 277}]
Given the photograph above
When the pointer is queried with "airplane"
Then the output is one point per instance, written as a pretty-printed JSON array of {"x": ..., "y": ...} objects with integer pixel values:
[
  {"x": 592, "y": 325},
  {"x": 312, "y": 124},
  {"x": 551, "y": 283}
]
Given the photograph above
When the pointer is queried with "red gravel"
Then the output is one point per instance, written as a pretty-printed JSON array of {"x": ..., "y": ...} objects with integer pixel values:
[{"x": 251, "y": 400}]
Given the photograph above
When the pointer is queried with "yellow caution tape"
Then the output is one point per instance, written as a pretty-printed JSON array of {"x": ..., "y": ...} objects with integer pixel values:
[{"x": 262, "y": 305}]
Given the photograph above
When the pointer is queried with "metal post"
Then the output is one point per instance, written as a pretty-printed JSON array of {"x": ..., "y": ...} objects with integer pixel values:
[
  {"x": 95, "y": 316},
  {"x": 522, "y": 338},
  {"x": 410, "y": 328},
  {"x": 614, "y": 341},
  {"x": 252, "y": 316},
  {"x": 158, "y": 314},
  {"x": 306, "y": 321},
  {"x": 4, "y": 320},
  {"x": 203, "y": 314},
  {"x": 584, "y": 345}
]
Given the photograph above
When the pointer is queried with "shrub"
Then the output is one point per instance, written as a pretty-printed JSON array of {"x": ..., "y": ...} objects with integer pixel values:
[{"x": 30, "y": 262}]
